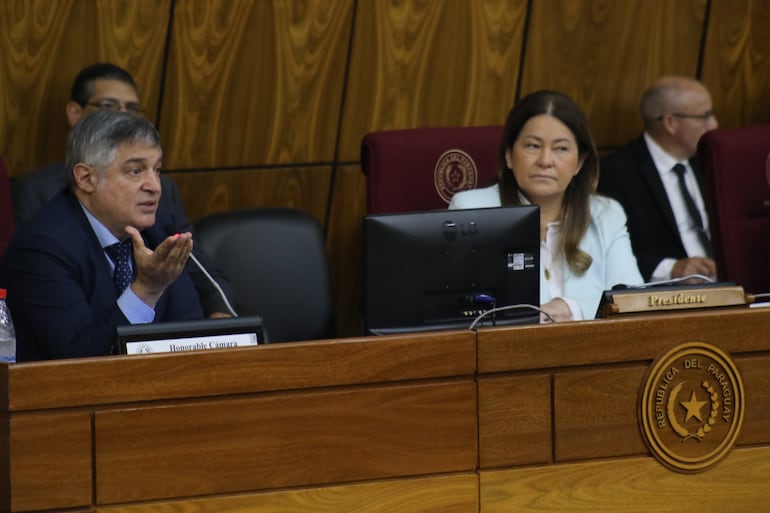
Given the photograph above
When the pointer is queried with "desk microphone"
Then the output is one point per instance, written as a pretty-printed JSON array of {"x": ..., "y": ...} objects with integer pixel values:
[{"x": 170, "y": 230}]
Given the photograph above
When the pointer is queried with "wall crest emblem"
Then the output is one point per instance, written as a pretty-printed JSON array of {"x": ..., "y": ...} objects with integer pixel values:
[
  {"x": 455, "y": 171},
  {"x": 691, "y": 407}
]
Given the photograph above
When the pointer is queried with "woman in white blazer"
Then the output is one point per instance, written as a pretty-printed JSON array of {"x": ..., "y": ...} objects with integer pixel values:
[{"x": 547, "y": 157}]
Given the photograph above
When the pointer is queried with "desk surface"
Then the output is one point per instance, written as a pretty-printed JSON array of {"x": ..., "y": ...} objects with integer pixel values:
[{"x": 445, "y": 421}]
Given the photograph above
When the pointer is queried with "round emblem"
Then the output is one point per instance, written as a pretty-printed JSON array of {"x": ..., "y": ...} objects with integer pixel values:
[
  {"x": 144, "y": 349},
  {"x": 691, "y": 407},
  {"x": 455, "y": 171}
]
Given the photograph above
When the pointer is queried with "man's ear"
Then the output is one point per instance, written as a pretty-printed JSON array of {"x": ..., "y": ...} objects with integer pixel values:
[
  {"x": 74, "y": 113},
  {"x": 85, "y": 177}
]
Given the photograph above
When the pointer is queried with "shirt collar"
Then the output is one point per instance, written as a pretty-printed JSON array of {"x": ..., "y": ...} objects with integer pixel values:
[
  {"x": 662, "y": 160},
  {"x": 106, "y": 238}
]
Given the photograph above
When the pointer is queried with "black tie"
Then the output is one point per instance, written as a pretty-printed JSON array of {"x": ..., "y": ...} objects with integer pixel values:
[
  {"x": 120, "y": 253},
  {"x": 692, "y": 210}
]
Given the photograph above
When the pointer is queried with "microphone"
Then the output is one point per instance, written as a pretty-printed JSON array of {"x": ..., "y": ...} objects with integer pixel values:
[
  {"x": 673, "y": 281},
  {"x": 171, "y": 230}
]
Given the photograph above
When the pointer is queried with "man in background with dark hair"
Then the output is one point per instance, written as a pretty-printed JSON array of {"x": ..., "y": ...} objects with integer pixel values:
[
  {"x": 668, "y": 229},
  {"x": 105, "y": 86},
  {"x": 96, "y": 255}
]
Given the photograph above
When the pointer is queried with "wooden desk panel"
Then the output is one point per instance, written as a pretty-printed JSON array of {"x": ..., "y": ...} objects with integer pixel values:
[
  {"x": 545, "y": 416},
  {"x": 215, "y": 447},
  {"x": 50, "y": 461},
  {"x": 624, "y": 339},
  {"x": 595, "y": 414},
  {"x": 515, "y": 421},
  {"x": 444, "y": 494},
  {"x": 639, "y": 485},
  {"x": 298, "y": 365}
]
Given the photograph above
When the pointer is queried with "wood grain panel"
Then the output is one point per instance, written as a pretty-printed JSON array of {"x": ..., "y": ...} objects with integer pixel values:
[
  {"x": 595, "y": 414},
  {"x": 514, "y": 421},
  {"x": 428, "y": 63},
  {"x": 604, "y": 54},
  {"x": 345, "y": 244},
  {"x": 628, "y": 339},
  {"x": 62, "y": 383},
  {"x": 756, "y": 385},
  {"x": 44, "y": 45},
  {"x": 251, "y": 444},
  {"x": 50, "y": 471},
  {"x": 446, "y": 494},
  {"x": 305, "y": 188},
  {"x": 735, "y": 65},
  {"x": 254, "y": 82},
  {"x": 641, "y": 485}
]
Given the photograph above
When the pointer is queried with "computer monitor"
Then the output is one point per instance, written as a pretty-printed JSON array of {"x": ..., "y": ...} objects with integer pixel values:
[
  {"x": 194, "y": 335},
  {"x": 441, "y": 269}
]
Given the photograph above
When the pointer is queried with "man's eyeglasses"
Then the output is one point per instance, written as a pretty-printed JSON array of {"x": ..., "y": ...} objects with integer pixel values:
[
  {"x": 703, "y": 117},
  {"x": 110, "y": 104}
]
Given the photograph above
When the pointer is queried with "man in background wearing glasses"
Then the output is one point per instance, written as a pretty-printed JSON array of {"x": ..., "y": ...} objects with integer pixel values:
[
  {"x": 105, "y": 86},
  {"x": 659, "y": 186}
]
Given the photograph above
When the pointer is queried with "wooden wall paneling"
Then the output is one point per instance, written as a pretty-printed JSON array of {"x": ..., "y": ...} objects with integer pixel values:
[
  {"x": 735, "y": 67},
  {"x": 595, "y": 413},
  {"x": 208, "y": 192},
  {"x": 45, "y": 44},
  {"x": 514, "y": 421},
  {"x": 641, "y": 485},
  {"x": 50, "y": 472},
  {"x": 251, "y": 443},
  {"x": 445, "y": 494},
  {"x": 254, "y": 82},
  {"x": 345, "y": 244},
  {"x": 434, "y": 63},
  {"x": 604, "y": 54}
]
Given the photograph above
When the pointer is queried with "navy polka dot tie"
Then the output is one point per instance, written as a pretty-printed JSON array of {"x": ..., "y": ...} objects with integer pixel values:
[{"x": 120, "y": 253}]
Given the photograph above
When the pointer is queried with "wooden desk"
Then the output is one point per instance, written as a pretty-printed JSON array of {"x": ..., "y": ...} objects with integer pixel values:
[{"x": 538, "y": 418}]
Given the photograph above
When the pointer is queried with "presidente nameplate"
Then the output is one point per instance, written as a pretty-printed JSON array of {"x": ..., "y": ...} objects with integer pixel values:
[
  {"x": 654, "y": 299},
  {"x": 691, "y": 407}
]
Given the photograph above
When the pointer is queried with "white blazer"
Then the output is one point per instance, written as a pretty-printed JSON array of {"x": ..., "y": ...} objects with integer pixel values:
[{"x": 606, "y": 240}]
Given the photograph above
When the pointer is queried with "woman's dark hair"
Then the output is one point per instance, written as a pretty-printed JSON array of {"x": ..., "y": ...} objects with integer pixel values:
[{"x": 575, "y": 211}]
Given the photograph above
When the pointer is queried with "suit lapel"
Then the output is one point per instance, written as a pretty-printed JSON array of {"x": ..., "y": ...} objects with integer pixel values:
[{"x": 651, "y": 177}]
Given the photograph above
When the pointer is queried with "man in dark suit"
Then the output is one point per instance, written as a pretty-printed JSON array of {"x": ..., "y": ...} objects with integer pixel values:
[
  {"x": 669, "y": 237},
  {"x": 105, "y": 86},
  {"x": 68, "y": 287}
]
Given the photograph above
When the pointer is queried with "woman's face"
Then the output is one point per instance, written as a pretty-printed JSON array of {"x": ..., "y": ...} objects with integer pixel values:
[{"x": 544, "y": 158}]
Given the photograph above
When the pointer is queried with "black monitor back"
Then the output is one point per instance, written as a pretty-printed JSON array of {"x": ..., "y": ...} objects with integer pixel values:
[{"x": 440, "y": 269}]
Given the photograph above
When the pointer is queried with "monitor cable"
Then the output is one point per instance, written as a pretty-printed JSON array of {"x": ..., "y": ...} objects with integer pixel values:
[{"x": 493, "y": 311}]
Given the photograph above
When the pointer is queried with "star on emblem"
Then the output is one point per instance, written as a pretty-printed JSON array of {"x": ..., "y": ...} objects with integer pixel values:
[{"x": 693, "y": 407}]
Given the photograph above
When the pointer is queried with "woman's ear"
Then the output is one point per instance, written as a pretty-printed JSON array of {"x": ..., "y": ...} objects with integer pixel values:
[
  {"x": 509, "y": 158},
  {"x": 580, "y": 163}
]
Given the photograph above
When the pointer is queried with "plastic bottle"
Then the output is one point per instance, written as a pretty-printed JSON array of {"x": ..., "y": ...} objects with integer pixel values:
[{"x": 7, "y": 333}]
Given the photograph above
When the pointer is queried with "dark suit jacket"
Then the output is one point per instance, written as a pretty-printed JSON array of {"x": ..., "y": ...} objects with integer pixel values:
[
  {"x": 629, "y": 175},
  {"x": 35, "y": 189},
  {"x": 60, "y": 290}
]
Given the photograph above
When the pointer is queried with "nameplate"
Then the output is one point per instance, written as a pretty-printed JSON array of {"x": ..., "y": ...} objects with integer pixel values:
[
  {"x": 178, "y": 345},
  {"x": 195, "y": 335},
  {"x": 662, "y": 299}
]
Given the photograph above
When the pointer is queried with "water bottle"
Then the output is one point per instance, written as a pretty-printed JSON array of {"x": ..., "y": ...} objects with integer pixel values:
[{"x": 7, "y": 333}]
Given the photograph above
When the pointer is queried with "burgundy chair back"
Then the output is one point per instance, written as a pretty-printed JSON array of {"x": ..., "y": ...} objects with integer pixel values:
[
  {"x": 738, "y": 202},
  {"x": 422, "y": 168},
  {"x": 6, "y": 209}
]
